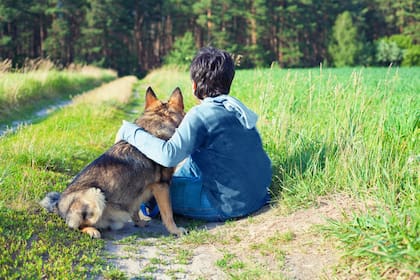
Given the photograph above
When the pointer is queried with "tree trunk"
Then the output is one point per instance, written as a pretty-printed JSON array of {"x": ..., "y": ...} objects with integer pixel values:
[
  {"x": 253, "y": 24},
  {"x": 209, "y": 24},
  {"x": 138, "y": 21}
]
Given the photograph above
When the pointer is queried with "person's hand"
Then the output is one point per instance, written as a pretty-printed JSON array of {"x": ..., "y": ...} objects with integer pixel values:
[{"x": 126, "y": 131}]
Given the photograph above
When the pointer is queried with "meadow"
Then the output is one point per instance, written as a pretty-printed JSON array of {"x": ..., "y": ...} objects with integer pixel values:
[
  {"x": 350, "y": 130},
  {"x": 24, "y": 91}
]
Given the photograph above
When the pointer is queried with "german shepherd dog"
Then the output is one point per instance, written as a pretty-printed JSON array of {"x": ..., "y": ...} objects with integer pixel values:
[{"x": 109, "y": 191}]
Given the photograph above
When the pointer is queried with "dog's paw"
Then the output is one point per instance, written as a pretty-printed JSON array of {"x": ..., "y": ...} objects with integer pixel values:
[
  {"x": 92, "y": 232},
  {"x": 140, "y": 223},
  {"x": 180, "y": 231}
]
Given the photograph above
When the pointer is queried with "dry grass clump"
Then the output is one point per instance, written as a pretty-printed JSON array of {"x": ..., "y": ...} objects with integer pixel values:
[
  {"x": 119, "y": 90},
  {"x": 40, "y": 82},
  {"x": 5, "y": 65},
  {"x": 90, "y": 70},
  {"x": 45, "y": 65}
]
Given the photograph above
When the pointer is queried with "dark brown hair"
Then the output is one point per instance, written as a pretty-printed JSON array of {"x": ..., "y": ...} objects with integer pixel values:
[{"x": 213, "y": 71}]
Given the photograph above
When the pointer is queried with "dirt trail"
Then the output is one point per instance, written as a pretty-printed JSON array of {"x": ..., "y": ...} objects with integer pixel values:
[
  {"x": 120, "y": 90},
  {"x": 266, "y": 246}
]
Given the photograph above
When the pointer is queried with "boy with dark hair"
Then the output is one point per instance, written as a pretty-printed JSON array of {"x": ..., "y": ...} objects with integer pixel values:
[
  {"x": 212, "y": 71},
  {"x": 226, "y": 173}
]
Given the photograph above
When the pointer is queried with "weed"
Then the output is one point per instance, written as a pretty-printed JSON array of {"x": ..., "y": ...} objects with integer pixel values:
[
  {"x": 173, "y": 272},
  {"x": 183, "y": 256},
  {"x": 230, "y": 262},
  {"x": 127, "y": 240},
  {"x": 150, "y": 268},
  {"x": 114, "y": 274},
  {"x": 156, "y": 261},
  {"x": 200, "y": 236},
  {"x": 279, "y": 238},
  {"x": 145, "y": 277}
]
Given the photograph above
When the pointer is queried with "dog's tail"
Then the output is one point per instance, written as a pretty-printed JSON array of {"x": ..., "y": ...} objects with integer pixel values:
[{"x": 50, "y": 201}]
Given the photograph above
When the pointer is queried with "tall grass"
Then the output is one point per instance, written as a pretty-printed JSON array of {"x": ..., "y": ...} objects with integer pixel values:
[
  {"x": 23, "y": 92},
  {"x": 354, "y": 131},
  {"x": 351, "y": 130}
]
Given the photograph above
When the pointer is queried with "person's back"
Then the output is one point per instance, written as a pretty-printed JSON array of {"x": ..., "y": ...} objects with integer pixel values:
[{"x": 235, "y": 169}]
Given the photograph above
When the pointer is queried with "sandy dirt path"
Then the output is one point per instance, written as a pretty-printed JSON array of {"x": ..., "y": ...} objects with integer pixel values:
[
  {"x": 120, "y": 90},
  {"x": 268, "y": 245}
]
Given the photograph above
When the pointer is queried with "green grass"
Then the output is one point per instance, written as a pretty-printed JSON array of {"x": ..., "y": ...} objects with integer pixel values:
[
  {"x": 35, "y": 244},
  {"x": 229, "y": 262},
  {"x": 22, "y": 94},
  {"x": 327, "y": 131},
  {"x": 44, "y": 157}
]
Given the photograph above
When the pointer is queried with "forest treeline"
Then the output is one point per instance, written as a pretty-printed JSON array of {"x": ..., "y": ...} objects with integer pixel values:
[{"x": 134, "y": 36}]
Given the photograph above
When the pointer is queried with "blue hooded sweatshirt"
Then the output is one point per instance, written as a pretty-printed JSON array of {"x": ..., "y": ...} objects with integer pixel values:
[{"x": 221, "y": 138}]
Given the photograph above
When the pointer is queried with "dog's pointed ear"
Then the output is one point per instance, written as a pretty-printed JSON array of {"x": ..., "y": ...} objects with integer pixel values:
[
  {"x": 150, "y": 97},
  {"x": 176, "y": 100}
]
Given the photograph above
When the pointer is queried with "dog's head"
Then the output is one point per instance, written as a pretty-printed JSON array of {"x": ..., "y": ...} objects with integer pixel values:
[
  {"x": 82, "y": 208},
  {"x": 162, "y": 118}
]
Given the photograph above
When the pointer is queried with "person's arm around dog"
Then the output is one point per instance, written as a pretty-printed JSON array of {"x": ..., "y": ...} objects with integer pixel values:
[{"x": 227, "y": 172}]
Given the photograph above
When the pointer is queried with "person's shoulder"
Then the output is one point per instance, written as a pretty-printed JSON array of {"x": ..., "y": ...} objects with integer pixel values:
[
  {"x": 204, "y": 113},
  {"x": 194, "y": 110},
  {"x": 203, "y": 108},
  {"x": 195, "y": 113}
]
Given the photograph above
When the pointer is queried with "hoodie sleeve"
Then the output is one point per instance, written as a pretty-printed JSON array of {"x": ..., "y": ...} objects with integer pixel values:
[{"x": 186, "y": 138}]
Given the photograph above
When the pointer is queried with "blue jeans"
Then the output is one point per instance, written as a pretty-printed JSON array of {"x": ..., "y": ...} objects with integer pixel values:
[{"x": 188, "y": 197}]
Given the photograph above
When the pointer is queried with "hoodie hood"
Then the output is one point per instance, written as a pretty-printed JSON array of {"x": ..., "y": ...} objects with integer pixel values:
[{"x": 246, "y": 116}]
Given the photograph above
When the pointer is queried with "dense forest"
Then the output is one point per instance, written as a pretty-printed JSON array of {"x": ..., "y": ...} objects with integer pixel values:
[{"x": 134, "y": 36}]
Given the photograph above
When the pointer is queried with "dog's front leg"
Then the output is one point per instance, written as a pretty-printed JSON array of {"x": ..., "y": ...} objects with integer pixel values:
[
  {"x": 136, "y": 215},
  {"x": 161, "y": 193}
]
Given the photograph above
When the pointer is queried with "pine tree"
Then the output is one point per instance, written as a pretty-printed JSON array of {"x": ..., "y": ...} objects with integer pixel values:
[
  {"x": 346, "y": 44},
  {"x": 22, "y": 29},
  {"x": 182, "y": 52},
  {"x": 106, "y": 35}
]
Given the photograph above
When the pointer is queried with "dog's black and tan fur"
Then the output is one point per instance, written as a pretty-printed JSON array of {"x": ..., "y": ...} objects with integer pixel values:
[{"x": 108, "y": 192}]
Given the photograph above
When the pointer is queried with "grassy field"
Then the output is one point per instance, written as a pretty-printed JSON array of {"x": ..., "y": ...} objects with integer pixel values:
[
  {"x": 23, "y": 92},
  {"x": 350, "y": 130},
  {"x": 39, "y": 158},
  {"x": 353, "y": 131}
]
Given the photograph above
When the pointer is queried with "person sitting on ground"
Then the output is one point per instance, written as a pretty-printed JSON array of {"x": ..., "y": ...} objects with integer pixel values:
[{"x": 225, "y": 172}]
